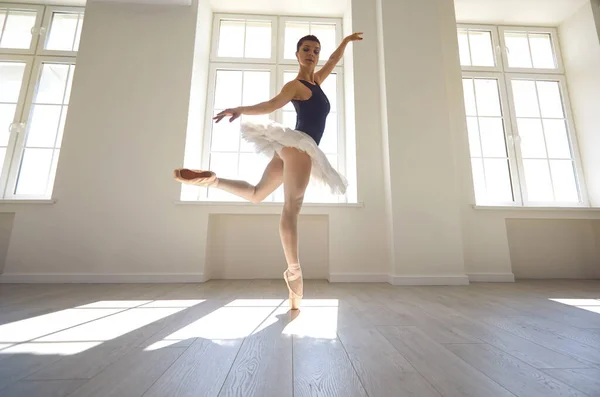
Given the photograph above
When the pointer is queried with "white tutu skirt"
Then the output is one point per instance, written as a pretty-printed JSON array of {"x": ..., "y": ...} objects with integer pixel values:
[{"x": 269, "y": 137}]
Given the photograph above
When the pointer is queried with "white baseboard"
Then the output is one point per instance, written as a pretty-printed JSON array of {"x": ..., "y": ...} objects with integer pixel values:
[
  {"x": 397, "y": 280},
  {"x": 62, "y": 278},
  {"x": 358, "y": 278},
  {"x": 429, "y": 280},
  {"x": 491, "y": 277}
]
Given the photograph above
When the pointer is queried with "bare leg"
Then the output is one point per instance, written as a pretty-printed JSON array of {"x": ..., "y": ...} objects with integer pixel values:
[
  {"x": 296, "y": 175},
  {"x": 270, "y": 181}
]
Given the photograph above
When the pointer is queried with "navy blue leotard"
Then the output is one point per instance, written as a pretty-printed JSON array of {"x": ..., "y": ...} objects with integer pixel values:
[{"x": 312, "y": 113}]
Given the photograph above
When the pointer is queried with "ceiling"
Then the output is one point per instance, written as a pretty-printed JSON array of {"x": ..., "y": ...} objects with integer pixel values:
[
  {"x": 513, "y": 12},
  {"x": 506, "y": 12},
  {"x": 322, "y": 8}
]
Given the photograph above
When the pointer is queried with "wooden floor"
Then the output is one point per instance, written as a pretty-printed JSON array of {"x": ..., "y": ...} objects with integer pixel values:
[{"x": 237, "y": 338}]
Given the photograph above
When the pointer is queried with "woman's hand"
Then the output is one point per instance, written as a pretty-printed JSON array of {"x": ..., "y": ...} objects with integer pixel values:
[
  {"x": 234, "y": 113},
  {"x": 354, "y": 37}
]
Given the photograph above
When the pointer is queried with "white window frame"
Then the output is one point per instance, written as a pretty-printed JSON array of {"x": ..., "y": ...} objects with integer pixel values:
[
  {"x": 244, "y": 17},
  {"x": 212, "y": 85},
  {"x": 35, "y": 56},
  {"x": 560, "y": 69},
  {"x": 579, "y": 180},
  {"x": 509, "y": 133},
  {"x": 496, "y": 49},
  {"x": 318, "y": 20},
  {"x": 505, "y": 75},
  {"x": 35, "y": 31},
  {"x": 50, "y": 11},
  {"x": 277, "y": 66}
]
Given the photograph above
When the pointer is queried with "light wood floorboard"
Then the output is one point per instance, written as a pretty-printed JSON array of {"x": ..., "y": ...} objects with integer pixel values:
[{"x": 238, "y": 338}]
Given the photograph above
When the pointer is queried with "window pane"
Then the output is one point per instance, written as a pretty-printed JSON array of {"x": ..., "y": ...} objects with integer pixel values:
[
  {"x": 478, "y": 180},
  {"x": 17, "y": 29},
  {"x": 518, "y": 50},
  {"x": 463, "y": 48},
  {"x": 61, "y": 127},
  {"x": 287, "y": 77},
  {"x": 51, "y": 88},
  {"x": 329, "y": 87},
  {"x": 326, "y": 35},
  {"x": 550, "y": 99},
  {"x": 2, "y": 19},
  {"x": 258, "y": 39},
  {"x": 11, "y": 79},
  {"x": 7, "y": 117},
  {"x": 289, "y": 119},
  {"x": 228, "y": 91},
  {"x": 257, "y": 87},
  {"x": 537, "y": 177},
  {"x": 225, "y": 165},
  {"x": 252, "y": 167},
  {"x": 329, "y": 143},
  {"x": 53, "y": 167},
  {"x": 474, "y": 143},
  {"x": 34, "y": 172},
  {"x": 69, "y": 84},
  {"x": 78, "y": 33},
  {"x": 492, "y": 137},
  {"x": 294, "y": 31},
  {"x": 225, "y": 136},
  {"x": 43, "y": 125},
  {"x": 498, "y": 180},
  {"x": 563, "y": 178},
  {"x": 532, "y": 138},
  {"x": 231, "y": 39},
  {"x": 541, "y": 51},
  {"x": 2, "y": 156},
  {"x": 62, "y": 32},
  {"x": 482, "y": 50},
  {"x": 525, "y": 98},
  {"x": 469, "y": 97},
  {"x": 557, "y": 140},
  {"x": 488, "y": 97}
]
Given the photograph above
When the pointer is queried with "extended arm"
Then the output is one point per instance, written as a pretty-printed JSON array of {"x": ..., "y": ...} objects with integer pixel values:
[
  {"x": 280, "y": 100},
  {"x": 337, "y": 56}
]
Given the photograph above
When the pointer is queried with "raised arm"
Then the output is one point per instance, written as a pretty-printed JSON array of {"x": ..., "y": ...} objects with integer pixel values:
[
  {"x": 337, "y": 55},
  {"x": 280, "y": 100}
]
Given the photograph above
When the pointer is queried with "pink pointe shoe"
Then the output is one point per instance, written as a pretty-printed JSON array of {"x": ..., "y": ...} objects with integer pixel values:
[
  {"x": 294, "y": 298},
  {"x": 195, "y": 177}
]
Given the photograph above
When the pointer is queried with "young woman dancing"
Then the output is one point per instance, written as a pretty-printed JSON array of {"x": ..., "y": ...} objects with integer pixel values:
[{"x": 295, "y": 155}]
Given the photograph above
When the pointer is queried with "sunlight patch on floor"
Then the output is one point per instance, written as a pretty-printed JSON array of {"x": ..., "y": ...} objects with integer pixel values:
[
  {"x": 113, "y": 304},
  {"x": 42, "y": 349},
  {"x": 183, "y": 303},
  {"x": 314, "y": 322},
  {"x": 111, "y": 327},
  {"x": 224, "y": 323},
  {"x": 31, "y": 328},
  {"x": 591, "y": 305}
]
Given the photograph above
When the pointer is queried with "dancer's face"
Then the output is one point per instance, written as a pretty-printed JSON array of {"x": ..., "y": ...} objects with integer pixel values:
[{"x": 308, "y": 54}]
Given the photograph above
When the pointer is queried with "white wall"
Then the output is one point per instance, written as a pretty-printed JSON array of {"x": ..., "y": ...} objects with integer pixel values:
[
  {"x": 596, "y": 11},
  {"x": 552, "y": 248},
  {"x": 141, "y": 68},
  {"x": 581, "y": 53}
]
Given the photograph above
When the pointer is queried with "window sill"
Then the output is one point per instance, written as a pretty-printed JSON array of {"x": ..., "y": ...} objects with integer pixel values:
[
  {"x": 242, "y": 207},
  {"x": 28, "y": 201},
  {"x": 534, "y": 208}
]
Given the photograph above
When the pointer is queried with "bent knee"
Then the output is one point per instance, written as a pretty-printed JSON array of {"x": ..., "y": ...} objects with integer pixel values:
[{"x": 293, "y": 204}]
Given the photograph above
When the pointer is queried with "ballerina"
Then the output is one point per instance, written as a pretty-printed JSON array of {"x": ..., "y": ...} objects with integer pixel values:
[{"x": 295, "y": 153}]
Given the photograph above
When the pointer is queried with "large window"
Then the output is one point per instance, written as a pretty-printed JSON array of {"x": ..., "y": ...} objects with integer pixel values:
[
  {"x": 38, "y": 47},
  {"x": 252, "y": 57},
  {"x": 521, "y": 134}
]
